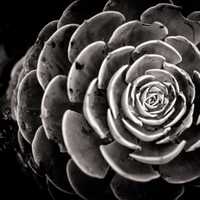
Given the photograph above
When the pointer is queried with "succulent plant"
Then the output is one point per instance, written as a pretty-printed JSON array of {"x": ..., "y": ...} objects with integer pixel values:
[{"x": 112, "y": 103}]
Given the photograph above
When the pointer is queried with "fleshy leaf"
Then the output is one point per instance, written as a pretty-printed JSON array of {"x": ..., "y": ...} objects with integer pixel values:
[
  {"x": 83, "y": 145},
  {"x": 22, "y": 74},
  {"x": 125, "y": 189},
  {"x": 53, "y": 57},
  {"x": 158, "y": 47},
  {"x": 99, "y": 27},
  {"x": 131, "y": 9},
  {"x": 31, "y": 57},
  {"x": 114, "y": 91},
  {"x": 180, "y": 111},
  {"x": 47, "y": 31},
  {"x": 43, "y": 149},
  {"x": 118, "y": 158},
  {"x": 164, "y": 76},
  {"x": 120, "y": 134},
  {"x": 143, "y": 134},
  {"x": 85, "y": 186},
  {"x": 158, "y": 155},
  {"x": 113, "y": 61},
  {"x": 135, "y": 32},
  {"x": 54, "y": 104},
  {"x": 183, "y": 169},
  {"x": 157, "y": 122},
  {"x": 192, "y": 136},
  {"x": 84, "y": 69},
  {"x": 184, "y": 80},
  {"x": 95, "y": 109},
  {"x": 189, "y": 53},
  {"x": 195, "y": 15},
  {"x": 146, "y": 62},
  {"x": 127, "y": 109},
  {"x": 12, "y": 90},
  {"x": 28, "y": 110},
  {"x": 15, "y": 72},
  {"x": 79, "y": 10},
  {"x": 168, "y": 13},
  {"x": 181, "y": 126}
]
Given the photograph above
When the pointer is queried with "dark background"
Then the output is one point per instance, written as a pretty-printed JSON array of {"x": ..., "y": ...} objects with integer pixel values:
[{"x": 19, "y": 26}]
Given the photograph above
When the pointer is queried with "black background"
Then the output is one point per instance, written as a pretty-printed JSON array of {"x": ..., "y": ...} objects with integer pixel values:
[{"x": 19, "y": 25}]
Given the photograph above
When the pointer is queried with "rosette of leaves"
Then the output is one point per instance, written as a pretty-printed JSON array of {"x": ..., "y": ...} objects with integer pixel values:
[{"x": 109, "y": 101}]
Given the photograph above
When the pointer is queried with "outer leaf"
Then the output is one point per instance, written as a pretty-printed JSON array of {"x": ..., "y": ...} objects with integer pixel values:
[
  {"x": 82, "y": 145},
  {"x": 28, "y": 109},
  {"x": 135, "y": 32},
  {"x": 99, "y": 27},
  {"x": 84, "y": 69},
  {"x": 54, "y": 103},
  {"x": 95, "y": 109},
  {"x": 79, "y": 10},
  {"x": 118, "y": 158},
  {"x": 166, "y": 13},
  {"x": 53, "y": 58},
  {"x": 113, "y": 61},
  {"x": 131, "y": 9},
  {"x": 115, "y": 89},
  {"x": 158, "y": 47},
  {"x": 158, "y": 155}
]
